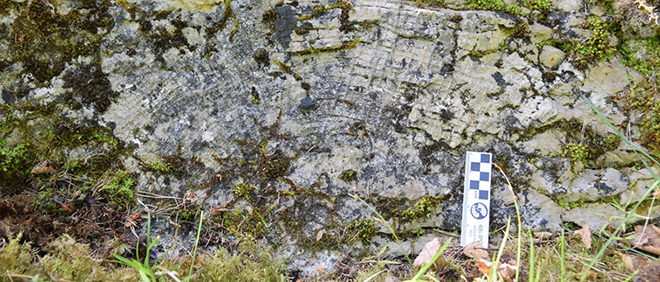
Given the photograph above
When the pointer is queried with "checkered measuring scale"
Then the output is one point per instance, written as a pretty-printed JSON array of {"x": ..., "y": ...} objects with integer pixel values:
[{"x": 476, "y": 199}]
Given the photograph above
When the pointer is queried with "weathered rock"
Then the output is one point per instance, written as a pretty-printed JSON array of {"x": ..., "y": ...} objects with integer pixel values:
[
  {"x": 539, "y": 212},
  {"x": 551, "y": 57},
  {"x": 596, "y": 215},
  {"x": 590, "y": 185},
  {"x": 292, "y": 110},
  {"x": 540, "y": 33},
  {"x": 640, "y": 183}
]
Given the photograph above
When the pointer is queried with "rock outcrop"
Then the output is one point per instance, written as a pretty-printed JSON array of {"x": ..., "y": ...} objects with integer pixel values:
[{"x": 273, "y": 116}]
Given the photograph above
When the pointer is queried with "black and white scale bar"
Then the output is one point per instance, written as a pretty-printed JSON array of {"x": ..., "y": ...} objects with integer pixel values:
[{"x": 476, "y": 199}]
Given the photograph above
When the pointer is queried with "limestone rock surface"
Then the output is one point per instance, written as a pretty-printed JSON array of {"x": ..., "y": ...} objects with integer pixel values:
[{"x": 291, "y": 109}]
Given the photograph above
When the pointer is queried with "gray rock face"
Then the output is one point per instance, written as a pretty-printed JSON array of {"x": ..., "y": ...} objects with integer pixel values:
[{"x": 292, "y": 109}]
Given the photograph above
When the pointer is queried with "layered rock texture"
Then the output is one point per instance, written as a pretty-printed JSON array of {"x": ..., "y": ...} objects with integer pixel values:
[{"x": 278, "y": 118}]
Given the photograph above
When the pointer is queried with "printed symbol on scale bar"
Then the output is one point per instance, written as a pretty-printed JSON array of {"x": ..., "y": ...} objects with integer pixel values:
[{"x": 479, "y": 210}]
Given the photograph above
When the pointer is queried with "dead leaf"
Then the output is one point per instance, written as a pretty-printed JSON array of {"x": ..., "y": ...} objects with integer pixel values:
[
  {"x": 68, "y": 208},
  {"x": 585, "y": 233},
  {"x": 427, "y": 253},
  {"x": 475, "y": 250},
  {"x": 647, "y": 239},
  {"x": 505, "y": 270},
  {"x": 484, "y": 266},
  {"x": 44, "y": 167}
]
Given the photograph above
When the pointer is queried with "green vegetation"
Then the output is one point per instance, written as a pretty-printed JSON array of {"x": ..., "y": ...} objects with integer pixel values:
[
  {"x": 159, "y": 167},
  {"x": 611, "y": 142},
  {"x": 576, "y": 152},
  {"x": 243, "y": 189},
  {"x": 119, "y": 190},
  {"x": 421, "y": 209},
  {"x": 516, "y": 9},
  {"x": 496, "y": 5},
  {"x": 348, "y": 175},
  {"x": 539, "y": 5},
  {"x": 11, "y": 158},
  {"x": 363, "y": 228},
  {"x": 597, "y": 47},
  {"x": 643, "y": 55}
]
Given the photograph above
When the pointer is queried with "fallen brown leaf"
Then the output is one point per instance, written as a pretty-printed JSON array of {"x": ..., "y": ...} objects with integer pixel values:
[
  {"x": 585, "y": 234},
  {"x": 484, "y": 266},
  {"x": 505, "y": 270},
  {"x": 427, "y": 253},
  {"x": 475, "y": 250},
  {"x": 647, "y": 239},
  {"x": 44, "y": 167}
]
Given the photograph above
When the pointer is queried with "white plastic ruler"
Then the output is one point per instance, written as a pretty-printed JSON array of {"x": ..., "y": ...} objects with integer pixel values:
[{"x": 476, "y": 199}]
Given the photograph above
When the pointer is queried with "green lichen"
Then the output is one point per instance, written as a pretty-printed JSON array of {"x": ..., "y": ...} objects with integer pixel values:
[{"x": 364, "y": 229}]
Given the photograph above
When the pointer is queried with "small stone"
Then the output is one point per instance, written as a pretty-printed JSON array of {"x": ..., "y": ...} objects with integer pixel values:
[
  {"x": 540, "y": 33},
  {"x": 307, "y": 104},
  {"x": 551, "y": 57}
]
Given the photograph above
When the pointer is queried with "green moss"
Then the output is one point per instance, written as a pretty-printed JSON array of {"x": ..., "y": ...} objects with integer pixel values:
[
  {"x": 243, "y": 189},
  {"x": 104, "y": 139},
  {"x": 45, "y": 199},
  {"x": 269, "y": 17},
  {"x": 348, "y": 175},
  {"x": 643, "y": 55},
  {"x": 496, "y": 5},
  {"x": 189, "y": 213},
  {"x": 516, "y": 10},
  {"x": 611, "y": 142},
  {"x": 576, "y": 152},
  {"x": 364, "y": 229},
  {"x": 119, "y": 190},
  {"x": 539, "y": 5},
  {"x": 159, "y": 167},
  {"x": 422, "y": 208},
  {"x": 69, "y": 260},
  {"x": 11, "y": 157},
  {"x": 44, "y": 41},
  {"x": 597, "y": 47}
]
